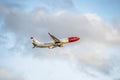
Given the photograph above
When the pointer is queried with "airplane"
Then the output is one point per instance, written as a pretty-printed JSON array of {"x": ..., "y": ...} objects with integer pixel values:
[{"x": 56, "y": 42}]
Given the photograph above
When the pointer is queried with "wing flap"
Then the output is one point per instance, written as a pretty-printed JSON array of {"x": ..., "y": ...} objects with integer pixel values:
[{"x": 56, "y": 40}]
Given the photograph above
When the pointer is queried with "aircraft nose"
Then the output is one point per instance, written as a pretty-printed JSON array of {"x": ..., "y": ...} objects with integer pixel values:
[{"x": 73, "y": 39}]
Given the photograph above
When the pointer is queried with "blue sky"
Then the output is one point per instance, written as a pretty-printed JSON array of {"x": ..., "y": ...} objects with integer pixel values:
[
  {"x": 108, "y": 9},
  {"x": 94, "y": 57}
]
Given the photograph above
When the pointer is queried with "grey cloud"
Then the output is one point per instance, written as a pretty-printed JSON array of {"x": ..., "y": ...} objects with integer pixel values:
[
  {"x": 10, "y": 4},
  {"x": 89, "y": 27},
  {"x": 116, "y": 23},
  {"x": 3, "y": 39},
  {"x": 82, "y": 25}
]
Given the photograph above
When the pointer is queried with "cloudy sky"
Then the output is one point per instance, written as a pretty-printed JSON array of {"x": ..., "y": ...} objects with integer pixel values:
[{"x": 95, "y": 57}]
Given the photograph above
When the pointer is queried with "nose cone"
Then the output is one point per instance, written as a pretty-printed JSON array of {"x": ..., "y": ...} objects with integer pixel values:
[{"x": 73, "y": 39}]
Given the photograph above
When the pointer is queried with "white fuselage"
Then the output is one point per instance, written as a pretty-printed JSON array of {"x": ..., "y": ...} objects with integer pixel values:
[
  {"x": 36, "y": 43},
  {"x": 56, "y": 42}
]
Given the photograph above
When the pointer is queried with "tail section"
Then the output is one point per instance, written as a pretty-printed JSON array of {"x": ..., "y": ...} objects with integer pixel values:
[{"x": 35, "y": 42}]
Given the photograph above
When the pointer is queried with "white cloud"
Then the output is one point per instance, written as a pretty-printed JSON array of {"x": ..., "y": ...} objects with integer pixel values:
[
  {"x": 7, "y": 75},
  {"x": 52, "y": 69},
  {"x": 88, "y": 26},
  {"x": 91, "y": 50}
]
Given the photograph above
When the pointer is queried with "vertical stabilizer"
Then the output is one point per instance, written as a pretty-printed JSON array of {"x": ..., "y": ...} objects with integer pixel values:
[{"x": 35, "y": 42}]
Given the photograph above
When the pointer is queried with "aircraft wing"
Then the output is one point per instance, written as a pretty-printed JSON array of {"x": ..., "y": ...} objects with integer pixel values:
[{"x": 56, "y": 40}]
